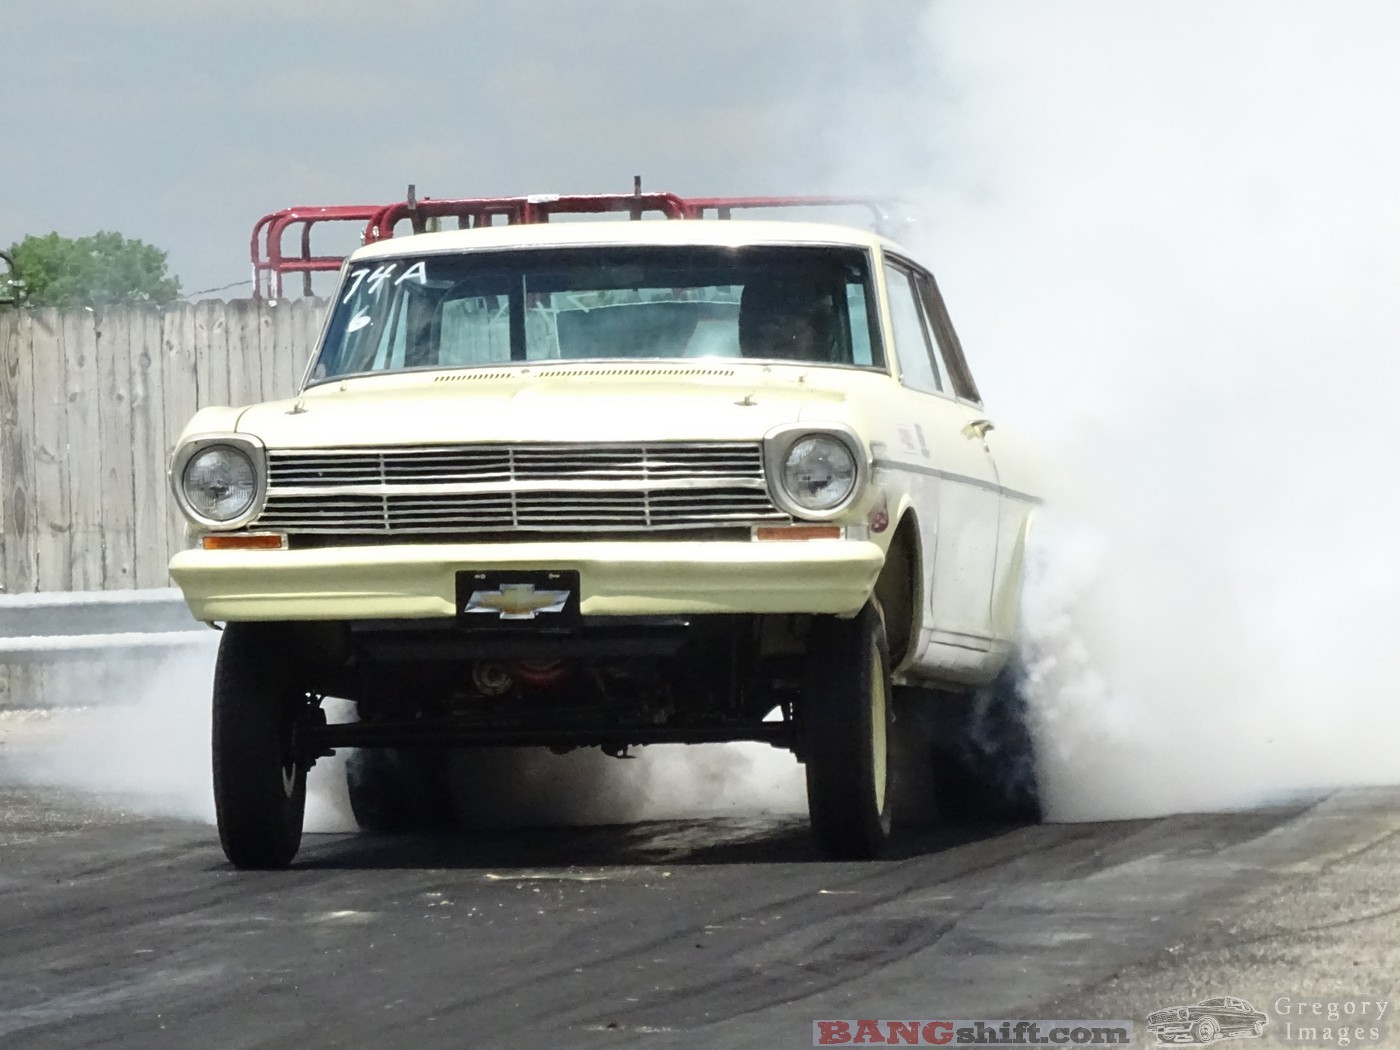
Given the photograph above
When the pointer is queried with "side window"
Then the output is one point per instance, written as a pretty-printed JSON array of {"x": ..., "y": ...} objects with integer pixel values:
[
  {"x": 911, "y": 340},
  {"x": 949, "y": 348}
]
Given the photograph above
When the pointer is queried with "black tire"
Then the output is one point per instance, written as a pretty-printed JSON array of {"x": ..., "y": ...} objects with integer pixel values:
[
  {"x": 992, "y": 776},
  {"x": 398, "y": 789},
  {"x": 1206, "y": 1030},
  {"x": 846, "y": 717},
  {"x": 259, "y": 784},
  {"x": 965, "y": 759},
  {"x": 913, "y": 770}
]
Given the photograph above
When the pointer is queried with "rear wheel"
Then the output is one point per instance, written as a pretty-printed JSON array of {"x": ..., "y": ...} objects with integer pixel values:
[
  {"x": 259, "y": 784},
  {"x": 912, "y": 766},
  {"x": 845, "y": 729},
  {"x": 986, "y": 769},
  {"x": 965, "y": 759},
  {"x": 398, "y": 789}
]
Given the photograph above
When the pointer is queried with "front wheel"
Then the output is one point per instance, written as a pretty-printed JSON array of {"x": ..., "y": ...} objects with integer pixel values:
[
  {"x": 845, "y": 729},
  {"x": 259, "y": 784}
]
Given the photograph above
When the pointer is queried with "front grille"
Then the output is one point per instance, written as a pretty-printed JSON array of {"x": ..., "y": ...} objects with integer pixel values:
[{"x": 494, "y": 488}]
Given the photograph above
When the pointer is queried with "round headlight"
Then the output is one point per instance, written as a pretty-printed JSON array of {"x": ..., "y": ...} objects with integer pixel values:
[
  {"x": 819, "y": 472},
  {"x": 220, "y": 482}
]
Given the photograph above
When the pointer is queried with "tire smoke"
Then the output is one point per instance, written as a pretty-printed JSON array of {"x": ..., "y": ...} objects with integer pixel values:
[
  {"x": 133, "y": 732},
  {"x": 137, "y": 737},
  {"x": 1169, "y": 237}
]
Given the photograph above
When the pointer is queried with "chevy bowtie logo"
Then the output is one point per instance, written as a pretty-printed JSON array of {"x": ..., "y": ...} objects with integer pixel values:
[{"x": 517, "y": 601}]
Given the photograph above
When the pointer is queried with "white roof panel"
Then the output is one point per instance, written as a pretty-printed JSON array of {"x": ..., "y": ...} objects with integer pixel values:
[{"x": 719, "y": 232}]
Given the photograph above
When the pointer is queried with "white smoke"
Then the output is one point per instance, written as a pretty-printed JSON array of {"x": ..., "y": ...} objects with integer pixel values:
[
  {"x": 135, "y": 734},
  {"x": 132, "y": 730},
  {"x": 1170, "y": 238},
  {"x": 532, "y": 787}
]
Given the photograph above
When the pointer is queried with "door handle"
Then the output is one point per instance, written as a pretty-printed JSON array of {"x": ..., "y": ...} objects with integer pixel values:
[{"x": 978, "y": 428}]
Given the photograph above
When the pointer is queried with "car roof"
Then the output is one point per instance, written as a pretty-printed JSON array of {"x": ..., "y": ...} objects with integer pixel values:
[{"x": 725, "y": 233}]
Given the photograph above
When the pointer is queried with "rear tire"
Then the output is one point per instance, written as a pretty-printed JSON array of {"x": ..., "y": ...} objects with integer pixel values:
[
  {"x": 913, "y": 774},
  {"x": 984, "y": 757},
  {"x": 259, "y": 785},
  {"x": 398, "y": 789},
  {"x": 845, "y": 728},
  {"x": 965, "y": 760}
]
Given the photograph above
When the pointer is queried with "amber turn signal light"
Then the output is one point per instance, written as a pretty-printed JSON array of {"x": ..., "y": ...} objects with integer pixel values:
[
  {"x": 797, "y": 532},
  {"x": 248, "y": 541}
]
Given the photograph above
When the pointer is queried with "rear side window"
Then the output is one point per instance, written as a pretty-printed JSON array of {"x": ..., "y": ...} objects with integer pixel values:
[
  {"x": 949, "y": 346},
  {"x": 912, "y": 344}
]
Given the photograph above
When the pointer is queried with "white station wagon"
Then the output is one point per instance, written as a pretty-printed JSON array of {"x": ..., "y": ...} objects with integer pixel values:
[{"x": 605, "y": 484}]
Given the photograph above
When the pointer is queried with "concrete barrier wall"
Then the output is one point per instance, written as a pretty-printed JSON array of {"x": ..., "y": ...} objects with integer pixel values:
[{"x": 68, "y": 649}]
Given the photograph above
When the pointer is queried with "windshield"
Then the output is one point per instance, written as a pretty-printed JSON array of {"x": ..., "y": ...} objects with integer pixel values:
[{"x": 602, "y": 303}]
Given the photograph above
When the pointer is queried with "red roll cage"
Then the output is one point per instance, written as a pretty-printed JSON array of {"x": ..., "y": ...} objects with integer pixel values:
[{"x": 271, "y": 261}]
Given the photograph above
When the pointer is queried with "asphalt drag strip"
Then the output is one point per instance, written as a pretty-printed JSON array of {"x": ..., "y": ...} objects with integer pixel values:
[{"x": 122, "y": 931}]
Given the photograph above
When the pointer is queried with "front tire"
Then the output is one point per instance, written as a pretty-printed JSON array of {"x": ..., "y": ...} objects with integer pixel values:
[
  {"x": 1207, "y": 1030},
  {"x": 845, "y": 728},
  {"x": 259, "y": 784}
]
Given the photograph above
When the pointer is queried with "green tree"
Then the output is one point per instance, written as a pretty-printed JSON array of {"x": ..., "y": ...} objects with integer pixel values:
[{"x": 100, "y": 270}]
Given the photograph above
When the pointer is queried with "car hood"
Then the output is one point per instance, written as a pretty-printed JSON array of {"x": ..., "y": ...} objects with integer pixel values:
[{"x": 575, "y": 404}]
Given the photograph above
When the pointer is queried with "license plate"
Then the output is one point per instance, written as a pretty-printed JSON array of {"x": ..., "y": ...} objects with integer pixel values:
[{"x": 546, "y": 597}]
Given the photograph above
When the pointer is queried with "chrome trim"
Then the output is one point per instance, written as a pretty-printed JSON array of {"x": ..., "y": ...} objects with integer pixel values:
[
  {"x": 947, "y": 475},
  {"x": 180, "y": 458},
  {"x": 779, "y": 441},
  {"x": 532, "y": 487}
]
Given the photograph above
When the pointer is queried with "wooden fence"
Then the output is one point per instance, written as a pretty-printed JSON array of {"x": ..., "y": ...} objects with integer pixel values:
[{"x": 91, "y": 403}]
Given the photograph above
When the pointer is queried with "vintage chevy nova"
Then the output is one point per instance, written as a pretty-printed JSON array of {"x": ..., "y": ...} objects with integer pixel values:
[
  {"x": 605, "y": 484},
  {"x": 1207, "y": 1021}
]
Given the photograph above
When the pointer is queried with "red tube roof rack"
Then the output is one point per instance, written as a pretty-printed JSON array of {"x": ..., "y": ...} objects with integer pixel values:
[{"x": 380, "y": 221}]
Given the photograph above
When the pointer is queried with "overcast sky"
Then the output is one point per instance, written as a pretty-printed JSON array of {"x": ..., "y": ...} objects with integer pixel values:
[{"x": 180, "y": 122}]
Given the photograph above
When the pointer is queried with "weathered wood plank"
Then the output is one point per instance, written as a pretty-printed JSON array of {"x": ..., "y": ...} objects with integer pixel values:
[
  {"x": 18, "y": 519},
  {"x": 181, "y": 393},
  {"x": 53, "y": 537},
  {"x": 284, "y": 328},
  {"x": 267, "y": 350},
  {"x": 245, "y": 368},
  {"x": 115, "y": 448},
  {"x": 308, "y": 314},
  {"x": 211, "y": 352},
  {"x": 150, "y": 450},
  {"x": 82, "y": 470}
]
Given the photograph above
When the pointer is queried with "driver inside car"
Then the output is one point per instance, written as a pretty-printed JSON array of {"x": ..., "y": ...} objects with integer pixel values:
[{"x": 788, "y": 317}]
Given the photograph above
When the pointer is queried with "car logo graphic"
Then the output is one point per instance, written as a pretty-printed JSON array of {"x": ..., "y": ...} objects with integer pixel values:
[
  {"x": 517, "y": 601},
  {"x": 1226, "y": 1017}
]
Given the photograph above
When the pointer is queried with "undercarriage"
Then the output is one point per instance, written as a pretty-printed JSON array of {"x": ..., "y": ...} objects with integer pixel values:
[
  {"x": 620, "y": 683},
  {"x": 425, "y": 691}
]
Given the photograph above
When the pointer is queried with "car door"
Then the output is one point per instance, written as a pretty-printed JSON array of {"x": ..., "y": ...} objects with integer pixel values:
[
  {"x": 947, "y": 443},
  {"x": 1016, "y": 469}
]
